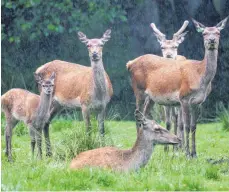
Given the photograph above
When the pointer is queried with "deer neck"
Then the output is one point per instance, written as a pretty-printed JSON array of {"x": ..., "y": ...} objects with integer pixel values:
[
  {"x": 141, "y": 152},
  {"x": 210, "y": 62},
  {"x": 99, "y": 80},
  {"x": 44, "y": 105}
]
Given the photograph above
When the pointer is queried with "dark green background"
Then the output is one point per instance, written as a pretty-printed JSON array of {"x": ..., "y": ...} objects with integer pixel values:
[{"x": 36, "y": 31}]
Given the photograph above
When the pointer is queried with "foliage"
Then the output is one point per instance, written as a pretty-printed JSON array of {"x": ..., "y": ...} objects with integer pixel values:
[
  {"x": 223, "y": 114},
  {"x": 35, "y": 18},
  {"x": 164, "y": 171},
  {"x": 35, "y": 32},
  {"x": 75, "y": 140}
]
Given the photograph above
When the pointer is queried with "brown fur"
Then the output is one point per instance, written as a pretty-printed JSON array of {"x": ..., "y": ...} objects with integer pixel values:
[
  {"x": 153, "y": 72},
  {"x": 21, "y": 103},
  {"x": 72, "y": 80}
]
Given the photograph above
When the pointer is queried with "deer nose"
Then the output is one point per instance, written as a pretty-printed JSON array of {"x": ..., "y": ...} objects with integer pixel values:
[
  {"x": 212, "y": 40},
  {"x": 169, "y": 56}
]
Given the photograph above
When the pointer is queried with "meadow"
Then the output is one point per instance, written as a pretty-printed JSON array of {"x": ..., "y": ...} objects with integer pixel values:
[{"x": 172, "y": 171}]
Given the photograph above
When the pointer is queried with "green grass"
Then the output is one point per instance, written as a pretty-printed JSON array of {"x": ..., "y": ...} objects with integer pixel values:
[{"x": 163, "y": 172}]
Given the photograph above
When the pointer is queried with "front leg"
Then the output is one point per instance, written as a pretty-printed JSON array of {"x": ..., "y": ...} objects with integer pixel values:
[
  {"x": 194, "y": 116},
  {"x": 101, "y": 117},
  {"x": 186, "y": 118},
  {"x": 39, "y": 142},
  {"x": 32, "y": 133},
  {"x": 86, "y": 117},
  {"x": 168, "y": 123}
]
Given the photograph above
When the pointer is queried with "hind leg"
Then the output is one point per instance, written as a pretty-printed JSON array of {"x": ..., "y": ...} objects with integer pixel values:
[{"x": 11, "y": 122}]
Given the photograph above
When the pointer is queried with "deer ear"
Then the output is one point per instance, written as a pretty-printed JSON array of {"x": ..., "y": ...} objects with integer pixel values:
[
  {"x": 52, "y": 77},
  {"x": 140, "y": 118},
  {"x": 106, "y": 36},
  {"x": 82, "y": 37},
  {"x": 181, "y": 38},
  {"x": 222, "y": 24},
  {"x": 38, "y": 78},
  {"x": 199, "y": 27}
]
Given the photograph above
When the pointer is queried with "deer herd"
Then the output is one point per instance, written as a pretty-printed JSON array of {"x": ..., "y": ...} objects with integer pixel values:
[{"x": 177, "y": 83}]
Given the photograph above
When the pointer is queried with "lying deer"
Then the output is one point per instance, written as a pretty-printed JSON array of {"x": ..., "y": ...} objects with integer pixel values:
[
  {"x": 33, "y": 110},
  {"x": 78, "y": 86},
  {"x": 169, "y": 49},
  {"x": 178, "y": 82},
  {"x": 149, "y": 134}
]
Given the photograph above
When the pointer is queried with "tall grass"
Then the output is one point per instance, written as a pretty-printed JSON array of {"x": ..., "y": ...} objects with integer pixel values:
[
  {"x": 73, "y": 141},
  {"x": 223, "y": 114}
]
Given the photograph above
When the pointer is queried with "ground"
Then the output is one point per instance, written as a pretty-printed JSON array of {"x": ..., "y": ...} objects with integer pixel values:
[{"x": 163, "y": 172}]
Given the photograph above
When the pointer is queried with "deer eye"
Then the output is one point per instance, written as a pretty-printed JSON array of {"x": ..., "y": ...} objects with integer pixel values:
[
  {"x": 88, "y": 46},
  {"x": 174, "y": 47}
]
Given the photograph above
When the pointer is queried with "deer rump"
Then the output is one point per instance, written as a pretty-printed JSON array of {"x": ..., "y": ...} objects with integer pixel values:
[
  {"x": 74, "y": 82},
  {"x": 164, "y": 80}
]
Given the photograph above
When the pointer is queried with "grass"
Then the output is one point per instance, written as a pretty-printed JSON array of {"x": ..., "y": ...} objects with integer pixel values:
[{"x": 163, "y": 172}]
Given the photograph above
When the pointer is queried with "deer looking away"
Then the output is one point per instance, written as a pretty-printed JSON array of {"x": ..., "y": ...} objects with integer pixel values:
[
  {"x": 169, "y": 50},
  {"x": 78, "y": 86},
  {"x": 149, "y": 134},
  {"x": 33, "y": 110},
  {"x": 178, "y": 82}
]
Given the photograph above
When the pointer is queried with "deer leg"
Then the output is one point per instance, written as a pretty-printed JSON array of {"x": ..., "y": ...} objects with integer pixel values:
[
  {"x": 86, "y": 117},
  {"x": 175, "y": 117},
  {"x": 33, "y": 139},
  {"x": 101, "y": 117},
  {"x": 194, "y": 116},
  {"x": 180, "y": 128},
  {"x": 39, "y": 142},
  {"x": 168, "y": 123},
  {"x": 10, "y": 124},
  {"x": 53, "y": 112},
  {"x": 186, "y": 118}
]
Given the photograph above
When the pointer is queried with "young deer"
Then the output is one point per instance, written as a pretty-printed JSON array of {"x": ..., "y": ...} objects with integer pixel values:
[
  {"x": 32, "y": 109},
  {"x": 169, "y": 50},
  {"x": 149, "y": 134},
  {"x": 185, "y": 82},
  {"x": 78, "y": 86}
]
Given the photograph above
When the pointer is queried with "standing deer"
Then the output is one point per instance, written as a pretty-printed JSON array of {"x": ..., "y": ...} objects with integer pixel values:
[
  {"x": 78, "y": 86},
  {"x": 32, "y": 109},
  {"x": 169, "y": 50},
  {"x": 178, "y": 82},
  {"x": 149, "y": 133}
]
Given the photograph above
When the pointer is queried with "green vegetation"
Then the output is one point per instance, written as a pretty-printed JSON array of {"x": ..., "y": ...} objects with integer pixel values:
[
  {"x": 164, "y": 171},
  {"x": 35, "y": 32}
]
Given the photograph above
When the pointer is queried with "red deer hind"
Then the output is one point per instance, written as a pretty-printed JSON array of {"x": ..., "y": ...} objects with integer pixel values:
[
  {"x": 78, "y": 86},
  {"x": 178, "y": 82}
]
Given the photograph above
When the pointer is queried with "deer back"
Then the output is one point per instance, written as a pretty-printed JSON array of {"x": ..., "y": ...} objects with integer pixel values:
[
  {"x": 21, "y": 104},
  {"x": 73, "y": 81}
]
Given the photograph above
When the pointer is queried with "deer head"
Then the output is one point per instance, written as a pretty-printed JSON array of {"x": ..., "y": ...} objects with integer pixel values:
[
  {"x": 169, "y": 47},
  {"x": 154, "y": 132},
  {"x": 211, "y": 34},
  {"x": 47, "y": 86},
  {"x": 95, "y": 46}
]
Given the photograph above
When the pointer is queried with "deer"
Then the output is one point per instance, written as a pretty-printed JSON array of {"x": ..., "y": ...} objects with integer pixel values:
[
  {"x": 185, "y": 83},
  {"x": 22, "y": 105},
  {"x": 81, "y": 87},
  {"x": 149, "y": 134},
  {"x": 169, "y": 49}
]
